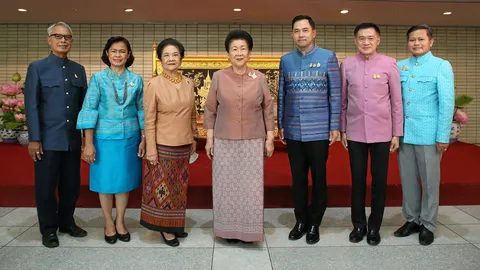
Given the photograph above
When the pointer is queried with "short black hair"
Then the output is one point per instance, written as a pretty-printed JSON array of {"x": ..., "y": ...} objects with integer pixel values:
[
  {"x": 173, "y": 42},
  {"x": 236, "y": 35},
  {"x": 420, "y": 27},
  {"x": 303, "y": 17},
  {"x": 109, "y": 44},
  {"x": 363, "y": 26}
]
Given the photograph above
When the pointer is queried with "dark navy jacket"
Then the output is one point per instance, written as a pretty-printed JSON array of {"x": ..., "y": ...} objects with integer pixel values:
[{"x": 54, "y": 93}]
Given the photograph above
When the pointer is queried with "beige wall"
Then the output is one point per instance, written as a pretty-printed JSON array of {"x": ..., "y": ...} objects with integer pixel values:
[{"x": 21, "y": 44}]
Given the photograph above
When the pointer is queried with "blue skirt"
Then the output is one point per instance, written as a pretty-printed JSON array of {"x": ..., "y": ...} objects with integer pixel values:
[{"x": 117, "y": 167}]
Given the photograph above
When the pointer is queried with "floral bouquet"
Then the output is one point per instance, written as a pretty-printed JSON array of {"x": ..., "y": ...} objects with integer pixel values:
[{"x": 13, "y": 113}]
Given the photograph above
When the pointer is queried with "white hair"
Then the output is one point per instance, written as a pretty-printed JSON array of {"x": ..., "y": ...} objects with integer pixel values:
[{"x": 50, "y": 28}]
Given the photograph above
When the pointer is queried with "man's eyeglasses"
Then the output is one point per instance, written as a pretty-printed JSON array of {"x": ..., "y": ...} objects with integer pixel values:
[{"x": 60, "y": 36}]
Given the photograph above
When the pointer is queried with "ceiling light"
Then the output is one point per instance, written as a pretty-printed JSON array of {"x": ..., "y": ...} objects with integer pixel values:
[
  {"x": 128, "y": 10},
  {"x": 447, "y": 13},
  {"x": 237, "y": 9},
  {"x": 22, "y": 10},
  {"x": 344, "y": 11}
]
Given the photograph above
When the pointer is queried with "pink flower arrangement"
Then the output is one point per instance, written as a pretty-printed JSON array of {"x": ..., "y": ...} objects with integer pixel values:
[
  {"x": 11, "y": 90},
  {"x": 13, "y": 113}
]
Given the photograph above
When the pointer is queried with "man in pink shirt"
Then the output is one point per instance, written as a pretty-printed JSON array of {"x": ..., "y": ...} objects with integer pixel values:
[{"x": 371, "y": 121}]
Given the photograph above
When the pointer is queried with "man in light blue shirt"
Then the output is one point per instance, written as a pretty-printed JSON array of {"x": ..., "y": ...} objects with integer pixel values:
[{"x": 428, "y": 104}]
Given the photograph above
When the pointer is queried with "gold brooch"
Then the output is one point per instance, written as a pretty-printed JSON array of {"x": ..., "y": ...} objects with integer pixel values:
[
  {"x": 253, "y": 75},
  {"x": 376, "y": 76},
  {"x": 405, "y": 68}
]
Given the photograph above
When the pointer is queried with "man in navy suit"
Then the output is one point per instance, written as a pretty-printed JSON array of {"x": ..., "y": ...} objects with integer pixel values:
[{"x": 54, "y": 91}]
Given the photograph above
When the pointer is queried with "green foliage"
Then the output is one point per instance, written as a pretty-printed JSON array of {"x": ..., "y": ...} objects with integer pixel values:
[{"x": 463, "y": 100}]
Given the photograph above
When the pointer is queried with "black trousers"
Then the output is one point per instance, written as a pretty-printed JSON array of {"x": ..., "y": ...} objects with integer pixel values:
[
  {"x": 57, "y": 169},
  {"x": 304, "y": 156},
  {"x": 379, "y": 154}
]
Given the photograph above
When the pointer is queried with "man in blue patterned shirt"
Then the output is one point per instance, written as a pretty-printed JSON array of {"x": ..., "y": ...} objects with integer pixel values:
[
  {"x": 428, "y": 101},
  {"x": 309, "y": 107}
]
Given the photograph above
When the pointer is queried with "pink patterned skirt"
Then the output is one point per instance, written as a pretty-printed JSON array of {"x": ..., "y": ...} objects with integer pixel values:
[{"x": 237, "y": 186}]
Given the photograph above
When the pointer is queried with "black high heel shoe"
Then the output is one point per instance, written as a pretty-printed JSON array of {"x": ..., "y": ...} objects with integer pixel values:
[
  {"x": 122, "y": 237},
  {"x": 173, "y": 242}
]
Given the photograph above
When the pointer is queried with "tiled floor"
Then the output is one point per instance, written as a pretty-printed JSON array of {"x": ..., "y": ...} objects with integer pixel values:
[{"x": 456, "y": 246}]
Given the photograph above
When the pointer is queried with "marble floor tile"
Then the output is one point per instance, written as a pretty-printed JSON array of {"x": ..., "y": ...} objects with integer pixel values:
[
  {"x": 473, "y": 210},
  {"x": 20, "y": 217},
  {"x": 5, "y": 210},
  {"x": 471, "y": 233},
  {"x": 450, "y": 215},
  {"x": 241, "y": 258},
  {"x": 451, "y": 257},
  {"x": 40, "y": 258},
  {"x": 7, "y": 234}
]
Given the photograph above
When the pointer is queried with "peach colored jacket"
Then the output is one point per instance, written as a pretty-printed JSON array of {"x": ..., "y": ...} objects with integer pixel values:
[
  {"x": 239, "y": 107},
  {"x": 170, "y": 113}
]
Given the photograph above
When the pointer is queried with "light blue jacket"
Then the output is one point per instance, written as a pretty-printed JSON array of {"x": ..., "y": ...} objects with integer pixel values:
[
  {"x": 428, "y": 96},
  {"x": 102, "y": 112}
]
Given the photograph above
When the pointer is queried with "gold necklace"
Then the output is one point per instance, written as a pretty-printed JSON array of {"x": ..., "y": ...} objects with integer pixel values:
[{"x": 174, "y": 80}]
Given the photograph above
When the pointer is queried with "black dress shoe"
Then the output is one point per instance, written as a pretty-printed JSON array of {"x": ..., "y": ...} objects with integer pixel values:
[
  {"x": 357, "y": 234},
  {"x": 172, "y": 242},
  {"x": 50, "y": 240},
  {"x": 111, "y": 239},
  {"x": 74, "y": 231},
  {"x": 408, "y": 228},
  {"x": 298, "y": 231},
  {"x": 373, "y": 237},
  {"x": 181, "y": 235},
  {"x": 425, "y": 237},
  {"x": 313, "y": 236}
]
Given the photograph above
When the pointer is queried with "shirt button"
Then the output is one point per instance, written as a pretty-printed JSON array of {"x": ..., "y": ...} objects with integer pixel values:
[
  {"x": 239, "y": 86},
  {"x": 366, "y": 85},
  {"x": 68, "y": 121},
  {"x": 63, "y": 67},
  {"x": 416, "y": 64},
  {"x": 408, "y": 103},
  {"x": 406, "y": 116},
  {"x": 413, "y": 76},
  {"x": 238, "y": 107},
  {"x": 410, "y": 89},
  {"x": 366, "y": 99},
  {"x": 366, "y": 73},
  {"x": 68, "y": 107},
  {"x": 66, "y": 79},
  {"x": 238, "y": 120},
  {"x": 239, "y": 95},
  {"x": 66, "y": 93}
]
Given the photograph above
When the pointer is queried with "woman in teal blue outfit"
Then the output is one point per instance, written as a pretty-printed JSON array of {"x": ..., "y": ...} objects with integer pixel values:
[{"x": 112, "y": 118}]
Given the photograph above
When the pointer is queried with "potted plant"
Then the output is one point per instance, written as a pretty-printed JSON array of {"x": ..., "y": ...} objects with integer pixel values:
[
  {"x": 459, "y": 115},
  {"x": 13, "y": 111}
]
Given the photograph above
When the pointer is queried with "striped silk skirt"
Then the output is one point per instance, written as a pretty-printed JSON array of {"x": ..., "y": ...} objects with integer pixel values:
[
  {"x": 237, "y": 186},
  {"x": 164, "y": 197}
]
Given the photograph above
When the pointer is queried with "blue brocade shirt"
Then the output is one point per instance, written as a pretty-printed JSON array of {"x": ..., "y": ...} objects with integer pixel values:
[
  {"x": 309, "y": 95},
  {"x": 101, "y": 110}
]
